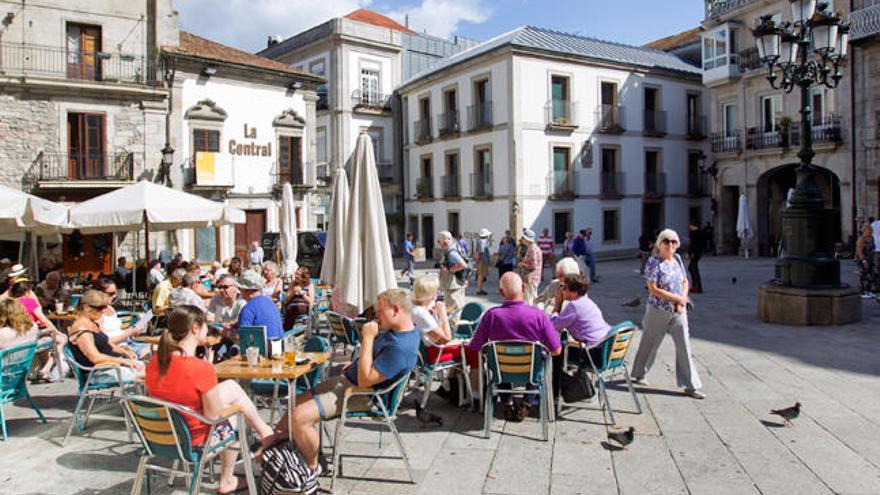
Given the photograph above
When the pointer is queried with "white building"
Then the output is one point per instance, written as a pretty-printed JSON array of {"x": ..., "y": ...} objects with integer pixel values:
[
  {"x": 241, "y": 126},
  {"x": 542, "y": 129},
  {"x": 364, "y": 57}
]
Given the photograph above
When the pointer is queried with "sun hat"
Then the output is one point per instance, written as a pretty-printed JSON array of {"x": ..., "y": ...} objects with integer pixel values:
[
  {"x": 250, "y": 280},
  {"x": 484, "y": 232},
  {"x": 529, "y": 235},
  {"x": 16, "y": 271}
]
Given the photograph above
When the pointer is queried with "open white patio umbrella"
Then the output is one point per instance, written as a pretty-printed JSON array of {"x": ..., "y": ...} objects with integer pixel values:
[
  {"x": 334, "y": 248},
  {"x": 744, "y": 228},
  {"x": 23, "y": 212},
  {"x": 367, "y": 269},
  {"x": 288, "y": 231}
]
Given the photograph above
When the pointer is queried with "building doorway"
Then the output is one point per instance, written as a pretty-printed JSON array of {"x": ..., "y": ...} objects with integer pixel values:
[
  {"x": 729, "y": 242},
  {"x": 428, "y": 234},
  {"x": 561, "y": 224},
  {"x": 250, "y": 231},
  {"x": 652, "y": 221}
]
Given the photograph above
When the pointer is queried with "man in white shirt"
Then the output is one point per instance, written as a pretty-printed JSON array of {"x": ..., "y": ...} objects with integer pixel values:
[{"x": 255, "y": 254}]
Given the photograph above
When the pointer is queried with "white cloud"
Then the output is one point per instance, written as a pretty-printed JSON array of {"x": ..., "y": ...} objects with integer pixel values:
[
  {"x": 442, "y": 17},
  {"x": 245, "y": 24}
]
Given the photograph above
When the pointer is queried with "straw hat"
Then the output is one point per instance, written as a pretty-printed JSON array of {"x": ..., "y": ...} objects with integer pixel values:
[
  {"x": 484, "y": 232},
  {"x": 16, "y": 271},
  {"x": 250, "y": 280}
]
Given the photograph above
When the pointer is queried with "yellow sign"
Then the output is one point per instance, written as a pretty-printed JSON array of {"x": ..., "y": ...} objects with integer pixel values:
[{"x": 206, "y": 170}]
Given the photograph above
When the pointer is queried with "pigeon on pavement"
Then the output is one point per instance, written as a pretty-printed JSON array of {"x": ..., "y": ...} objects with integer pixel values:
[
  {"x": 624, "y": 437},
  {"x": 788, "y": 413},
  {"x": 635, "y": 303},
  {"x": 426, "y": 417}
]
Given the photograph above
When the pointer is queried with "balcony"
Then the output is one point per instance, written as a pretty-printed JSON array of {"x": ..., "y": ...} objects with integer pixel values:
[
  {"x": 655, "y": 185},
  {"x": 481, "y": 186},
  {"x": 698, "y": 185},
  {"x": 451, "y": 186},
  {"x": 422, "y": 131},
  {"x": 386, "y": 171},
  {"x": 825, "y": 130},
  {"x": 729, "y": 142},
  {"x": 323, "y": 102},
  {"x": 759, "y": 139},
  {"x": 696, "y": 128},
  {"x": 715, "y": 8},
  {"x": 424, "y": 188},
  {"x": 295, "y": 176},
  {"x": 655, "y": 123},
  {"x": 561, "y": 184},
  {"x": 560, "y": 115},
  {"x": 749, "y": 60},
  {"x": 447, "y": 123},
  {"x": 721, "y": 70},
  {"x": 865, "y": 19},
  {"x": 216, "y": 173},
  {"x": 370, "y": 102},
  {"x": 25, "y": 60},
  {"x": 612, "y": 185},
  {"x": 609, "y": 119},
  {"x": 480, "y": 116},
  {"x": 83, "y": 170}
]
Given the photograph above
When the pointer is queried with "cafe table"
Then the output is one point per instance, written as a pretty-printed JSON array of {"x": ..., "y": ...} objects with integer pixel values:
[
  {"x": 237, "y": 369},
  {"x": 212, "y": 340}
]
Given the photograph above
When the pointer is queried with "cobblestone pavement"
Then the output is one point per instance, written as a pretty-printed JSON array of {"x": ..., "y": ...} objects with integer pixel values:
[{"x": 727, "y": 443}]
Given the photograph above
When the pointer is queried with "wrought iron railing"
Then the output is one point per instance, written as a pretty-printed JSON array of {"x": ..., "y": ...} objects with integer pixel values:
[
  {"x": 370, "y": 100},
  {"x": 865, "y": 19},
  {"x": 824, "y": 130},
  {"x": 295, "y": 175},
  {"x": 721, "y": 7},
  {"x": 481, "y": 186},
  {"x": 749, "y": 60},
  {"x": 655, "y": 122},
  {"x": 447, "y": 123},
  {"x": 64, "y": 167},
  {"x": 655, "y": 184},
  {"x": 451, "y": 186},
  {"x": 724, "y": 142},
  {"x": 698, "y": 185},
  {"x": 17, "y": 59},
  {"x": 422, "y": 130},
  {"x": 759, "y": 138},
  {"x": 612, "y": 185},
  {"x": 386, "y": 171},
  {"x": 561, "y": 184},
  {"x": 696, "y": 127},
  {"x": 560, "y": 113},
  {"x": 609, "y": 118},
  {"x": 480, "y": 116},
  {"x": 425, "y": 187}
]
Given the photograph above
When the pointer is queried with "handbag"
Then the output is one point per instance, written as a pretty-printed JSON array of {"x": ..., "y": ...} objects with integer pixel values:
[
  {"x": 576, "y": 385},
  {"x": 285, "y": 472}
]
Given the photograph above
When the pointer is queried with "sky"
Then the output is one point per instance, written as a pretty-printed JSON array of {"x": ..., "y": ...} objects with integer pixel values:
[{"x": 245, "y": 24}]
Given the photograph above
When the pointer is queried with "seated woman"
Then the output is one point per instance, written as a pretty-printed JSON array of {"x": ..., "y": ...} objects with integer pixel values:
[
  {"x": 91, "y": 346},
  {"x": 175, "y": 374},
  {"x": 299, "y": 298},
  {"x": 112, "y": 324},
  {"x": 20, "y": 291},
  {"x": 16, "y": 327},
  {"x": 272, "y": 284},
  {"x": 429, "y": 315}
]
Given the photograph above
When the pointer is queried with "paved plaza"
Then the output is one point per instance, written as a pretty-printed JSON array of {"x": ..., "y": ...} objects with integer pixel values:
[{"x": 727, "y": 443}]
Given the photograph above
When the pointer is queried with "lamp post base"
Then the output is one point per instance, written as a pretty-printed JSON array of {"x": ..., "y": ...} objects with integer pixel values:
[
  {"x": 802, "y": 306},
  {"x": 809, "y": 250}
]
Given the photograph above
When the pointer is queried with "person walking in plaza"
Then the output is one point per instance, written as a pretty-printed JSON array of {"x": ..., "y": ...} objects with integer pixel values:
[
  {"x": 463, "y": 245},
  {"x": 696, "y": 247},
  {"x": 666, "y": 312},
  {"x": 255, "y": 254},
  {"x": 567, "y": 245},
  {"x": 452, "y": 267},
  {"x": 409, "y": 256},
  {"x": 506, "y": 254},
  {"x": 531, "y": 266},
  {"x": 589, "y": 260},
  {"x": 546, "y": 244},
  {"x": 481, "y": 259},
  {"x": 865, "y": 259}
]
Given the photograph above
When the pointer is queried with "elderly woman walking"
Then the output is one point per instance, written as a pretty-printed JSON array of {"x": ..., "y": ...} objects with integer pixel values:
[{"x": 666, "y": 312}]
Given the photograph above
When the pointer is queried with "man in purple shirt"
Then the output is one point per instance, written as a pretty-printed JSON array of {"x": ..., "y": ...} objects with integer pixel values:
[
  {"x": 582, "y": 318},
  {"x": 515, "y": 320}
]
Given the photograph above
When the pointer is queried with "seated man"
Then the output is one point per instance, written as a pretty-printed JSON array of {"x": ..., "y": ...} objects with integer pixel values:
[
  {"x": 515, "y": 320},
  {"x": 51, "y": 291},
  {"x": 384, "y": 357},
  {"x": 547, "y": 297},
  {"x": 259, "y": 309},
  {"x": 583, "y": 320},
  {"x": 163, "y": 290},
  {"x": 185, "y": 294}
]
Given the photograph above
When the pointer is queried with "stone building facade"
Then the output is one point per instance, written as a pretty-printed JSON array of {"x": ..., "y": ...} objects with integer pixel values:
[{"x": 864, "y": 68}]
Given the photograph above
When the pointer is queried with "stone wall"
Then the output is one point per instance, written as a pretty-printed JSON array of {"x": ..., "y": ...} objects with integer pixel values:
[{"x": 27, "y": 126}]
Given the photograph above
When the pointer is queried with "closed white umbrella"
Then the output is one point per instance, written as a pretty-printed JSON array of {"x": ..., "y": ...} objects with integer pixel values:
[
  {"x": 288, "y": 231},
  {"x": 23, "y": 212},
  {"x": 744, "y": 228},
  {"x": 367, "y": 269},
  {"x": 334, "y": 248}
]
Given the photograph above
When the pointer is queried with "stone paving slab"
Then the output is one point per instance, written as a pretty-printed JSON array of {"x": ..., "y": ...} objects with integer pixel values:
[{"x": 728, "y": 443}]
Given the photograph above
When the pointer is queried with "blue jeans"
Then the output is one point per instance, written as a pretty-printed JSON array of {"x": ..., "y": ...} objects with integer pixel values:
[{"x": 590, "y": 262}]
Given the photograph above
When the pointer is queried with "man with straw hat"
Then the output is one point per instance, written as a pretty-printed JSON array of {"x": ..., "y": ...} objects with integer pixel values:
[
  {"x": 531, "y": 265},
  {"x": 481, "y": 259}
]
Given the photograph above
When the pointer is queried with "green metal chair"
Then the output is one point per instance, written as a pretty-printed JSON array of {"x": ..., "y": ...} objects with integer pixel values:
[
  {"x": 614, "y": 348},
  {"x": 343, "y": 331},
  {"x": 15, "y": 363},
  {"x": 468, "y": 320},
  {"x": 277, "y": 388},
  {"x": 384, "y": 406},
  {"x": 164, "y": 435},
  {"x": 430, "y": 368},
  {"x": 90, "y": 390},
  {"x": 520, "y": 364}
]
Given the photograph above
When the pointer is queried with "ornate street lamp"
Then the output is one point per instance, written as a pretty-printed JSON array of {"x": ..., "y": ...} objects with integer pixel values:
[{"x": 806, "y": 52}]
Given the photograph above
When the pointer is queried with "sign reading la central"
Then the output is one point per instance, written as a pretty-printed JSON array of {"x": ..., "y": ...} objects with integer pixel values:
[{"x": 249, "y": 149}]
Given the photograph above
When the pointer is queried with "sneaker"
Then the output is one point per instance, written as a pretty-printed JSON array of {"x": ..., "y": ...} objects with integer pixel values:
[
  {"x": 695, "y": 394},
  {"x": 639, "y": 381}
]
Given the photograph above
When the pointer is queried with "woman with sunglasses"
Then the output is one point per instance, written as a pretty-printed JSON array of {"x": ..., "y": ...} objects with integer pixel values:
[
  {"x": 666, "y": 312},
  {"x": 111, "y": 323},
  {"x": 91, "y": 346}
]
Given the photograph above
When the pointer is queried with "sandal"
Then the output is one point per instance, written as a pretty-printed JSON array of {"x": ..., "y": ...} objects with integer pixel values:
[{"x": 240, "y": 487}]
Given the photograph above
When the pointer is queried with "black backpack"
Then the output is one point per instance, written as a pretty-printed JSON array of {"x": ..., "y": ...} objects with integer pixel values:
[{"x": 286, "y": 472}]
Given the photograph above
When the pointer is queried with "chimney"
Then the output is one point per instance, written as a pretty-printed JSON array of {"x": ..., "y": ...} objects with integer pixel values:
[
  {"x": 406, "y": 21},
  {"x": 273, "y": 40}
]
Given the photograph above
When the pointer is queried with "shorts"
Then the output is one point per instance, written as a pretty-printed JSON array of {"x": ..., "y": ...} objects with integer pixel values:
[
  {"x": 107, "y": 376},
  {"x": 482, "y": 271},
  {"x": 330, "y": 394}
]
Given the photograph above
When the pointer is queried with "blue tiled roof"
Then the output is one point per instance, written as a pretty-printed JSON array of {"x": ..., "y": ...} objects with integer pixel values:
[{"x": 569, "y": 44}]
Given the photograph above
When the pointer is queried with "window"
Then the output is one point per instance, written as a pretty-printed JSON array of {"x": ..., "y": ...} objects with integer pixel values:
[
  {"x": 818, "y": 100},
  {"x": 715, "y": 46},
  {"x": 609, "y": 160},
  {"x": 453, "y": 222},
  {"x": 206, "y": 243},
  {"x": 289, "y": 159},
  {"x": 610, "y": 230},
  {"x": 85, "y": 146},
  {"x": 771, "y": 107},
  {"x": 369, "y": 85},
  {"x": 608, "y": 92},
  {"x": 696, "y": 184},
  {"x": 206, "y": 140},
  {"x": 321, "y": 144},
  {"x": 450, "y": 101},
  {"x": 729, "y": 123},
  {"x": 83, "y": 43},
  {"x": 612, "y": 181},
  {"x": 562, "y": 180},
  {"x": 693, "y": 114},
  {"x": 559, "y": 96},
  {"x": 378, "y": 146},
  {"x": 449, "y": 119},
  {"x": 481, "y": 114},
  {"x": 652, "y": 99},
  {"x": 423, "y": 125},
  {"x": 482, "y": 178}
]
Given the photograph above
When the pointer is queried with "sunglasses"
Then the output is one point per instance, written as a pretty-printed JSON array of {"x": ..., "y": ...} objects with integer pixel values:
[
  {"x": 98, "y": 308},
  {"x": 224, "y": 287},
  {"x": 111, "y": 294},
  {"x": 669, "y": 241}
]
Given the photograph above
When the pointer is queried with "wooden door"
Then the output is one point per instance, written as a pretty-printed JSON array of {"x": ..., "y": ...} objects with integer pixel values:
[
  {"x": 85, "y": 146},
  {"x": 250, "y": 231},
  {"x": 83, "y": 45},
  {"x": 289, "y": 162},
  {"x": 87, "y": 254}
]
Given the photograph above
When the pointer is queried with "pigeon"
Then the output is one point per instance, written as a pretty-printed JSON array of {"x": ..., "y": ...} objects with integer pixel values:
[
  {"x": 624, "y": 437},
  {"x": 788, "y": 413},
  {"x": 733, "y": 280},
  {"x": 426, "y": 417},
  {"x": 635, "y": 303}
]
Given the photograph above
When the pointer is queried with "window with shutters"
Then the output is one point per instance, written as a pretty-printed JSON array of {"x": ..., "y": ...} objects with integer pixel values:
[
  {"x": 83, "y": 46},
  {"x": 85, "y": 146},
  {"x": 289, "y": 162}
]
